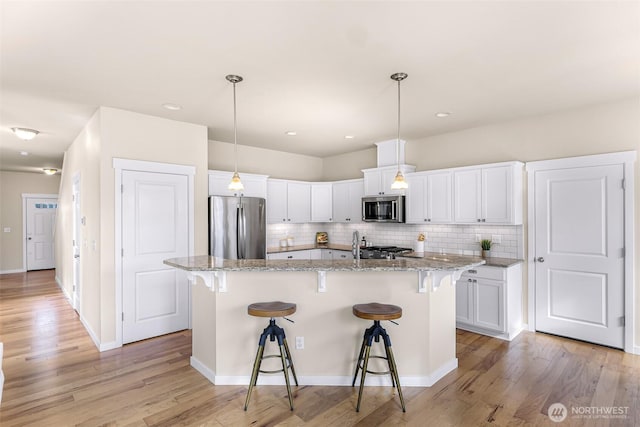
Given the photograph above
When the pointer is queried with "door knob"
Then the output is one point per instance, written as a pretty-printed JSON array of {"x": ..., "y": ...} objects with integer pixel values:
[{"x": 540, "y": 259}]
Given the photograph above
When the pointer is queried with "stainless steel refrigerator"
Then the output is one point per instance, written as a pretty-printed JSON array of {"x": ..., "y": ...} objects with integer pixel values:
[{"x": 237, "y": 227}]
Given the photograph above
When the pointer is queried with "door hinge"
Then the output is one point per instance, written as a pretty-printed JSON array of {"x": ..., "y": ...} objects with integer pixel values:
[
  {"x": 122, "y": 252},
  {"x": 123, "y": 316},
  {"x": 623, "y": 253},
  {"x": 622, "y": 321},
  {"x": 623, "y": 184},
  {"x": 122, "y": 188}
]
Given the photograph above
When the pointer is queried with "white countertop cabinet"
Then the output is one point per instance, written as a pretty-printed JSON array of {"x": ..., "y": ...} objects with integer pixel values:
[
  {"x": 347, "y": 201},
  {"x": 489, "y": 301},
  {"x": 491, "y": 194},
  {"x": 429, "y": 198},
  {"x": 288, "y": 201},
  {"x": 321, "y": 202}
]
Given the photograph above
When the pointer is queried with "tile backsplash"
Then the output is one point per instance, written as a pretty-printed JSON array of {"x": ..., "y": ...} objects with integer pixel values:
[{"x": 446, "y": 238}]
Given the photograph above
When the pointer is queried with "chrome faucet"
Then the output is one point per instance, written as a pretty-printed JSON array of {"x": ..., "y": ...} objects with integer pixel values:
[{"x": 355, "y": 245}]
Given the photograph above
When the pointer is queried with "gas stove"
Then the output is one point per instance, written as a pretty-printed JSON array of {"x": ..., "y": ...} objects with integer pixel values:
[{"x": 382, "y": 252}]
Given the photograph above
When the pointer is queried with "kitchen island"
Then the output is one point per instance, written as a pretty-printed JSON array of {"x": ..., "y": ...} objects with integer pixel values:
[{"x": 225, "y": 337}]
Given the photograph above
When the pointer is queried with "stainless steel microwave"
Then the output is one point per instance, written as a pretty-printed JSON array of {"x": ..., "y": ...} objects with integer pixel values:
[{"x": 383, "y": 209}]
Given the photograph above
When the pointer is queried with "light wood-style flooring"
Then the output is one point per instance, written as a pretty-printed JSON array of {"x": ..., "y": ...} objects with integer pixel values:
[{"x": 56, "y": 377}]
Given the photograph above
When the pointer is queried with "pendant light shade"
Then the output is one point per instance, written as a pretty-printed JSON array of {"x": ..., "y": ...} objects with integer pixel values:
[
  {"x": 399, "y": 182},
  {"x": 235, "y": 184}
]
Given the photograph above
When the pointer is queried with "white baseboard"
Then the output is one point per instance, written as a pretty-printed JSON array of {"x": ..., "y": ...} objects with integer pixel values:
[
  {"x": 204, "y": 370},
  {"x": 330, "y": 380},
  {"x": 19, "y": 270},
  {"x": 636, "y": 349},
  {"x": 108, "y": 346},
  {"x": 92, "y": 335}
]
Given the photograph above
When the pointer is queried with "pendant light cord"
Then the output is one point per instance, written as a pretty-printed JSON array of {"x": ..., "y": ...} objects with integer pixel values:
[
  {"x": 235, "y": 131},
  {"x": 398, "y": 138}
]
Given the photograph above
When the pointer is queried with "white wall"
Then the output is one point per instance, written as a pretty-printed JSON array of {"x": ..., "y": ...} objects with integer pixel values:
[
  {"x": 122, "y": 134},
  {"x": 12, "y": 186}
]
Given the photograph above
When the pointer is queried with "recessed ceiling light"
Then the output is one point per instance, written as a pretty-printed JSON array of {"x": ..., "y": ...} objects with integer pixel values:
[
  {"x": 25, "y": 134},
  {"x": 443, "y": 114},
  {"x": 50, "y": 171},
  {"x": 172, "y": 107},
  {"x": 24, "y": 153},
  {"x": 291, "y": 132},
  {"x": 349, "y": 137}
]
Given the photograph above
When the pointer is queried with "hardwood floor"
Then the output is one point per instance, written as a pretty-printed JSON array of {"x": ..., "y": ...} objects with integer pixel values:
[{"x": 56, "y": 377}]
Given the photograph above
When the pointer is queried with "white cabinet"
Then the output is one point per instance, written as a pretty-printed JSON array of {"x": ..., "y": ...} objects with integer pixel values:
[
  {"x": 315, "y": 254},
  {"x": 305, "y": 254},
  {"x": 377, "y": 181},
  {"x": 429, "y": 197},
  {"x": 327, "y": 254},
  {"x": 347, "y": 200},
  {"x": 342, "y": 254},
  {"x": 321, "y": 202},
  {"x": 488, "y": 194},
  {"x": 489, "y": 301},
  {"x": 288, "y": 201},
  {"x": 254, "y": 185}
]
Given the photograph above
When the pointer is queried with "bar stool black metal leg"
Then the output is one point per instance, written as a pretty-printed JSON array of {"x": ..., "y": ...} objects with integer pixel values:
[
  {"x": 355, "y": 374},
  {"x": 286, "y": 375},
  {"x": 288, "y": 354},
  {"x": 394, "y": 374},
  {"x": 393, "y": 380},
  {"x": 254, "y": 374},
  {"x": 363, "y": 375}
]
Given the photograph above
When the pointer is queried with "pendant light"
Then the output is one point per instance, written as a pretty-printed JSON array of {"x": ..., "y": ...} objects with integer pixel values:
[
  {"x": 235, "y": 184},
  {"x": 399, "y": 182}
]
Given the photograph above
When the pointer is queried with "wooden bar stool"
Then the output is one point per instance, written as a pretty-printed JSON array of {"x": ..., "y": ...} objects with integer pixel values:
[
  {"x": 376, "y": 312},
  {"x": 273, "y": 332}
]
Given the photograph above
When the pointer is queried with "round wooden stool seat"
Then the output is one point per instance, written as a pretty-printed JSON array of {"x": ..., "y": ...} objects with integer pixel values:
[
  {"x": 376, "y": 311},
  {"x": 272, "y": 309}
]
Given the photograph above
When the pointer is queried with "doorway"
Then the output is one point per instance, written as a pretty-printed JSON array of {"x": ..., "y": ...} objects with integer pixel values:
[
  {"x": 580, "y": 248},
  {"x": 76, "y": 242},
  {"x": 39, "y": 219}
]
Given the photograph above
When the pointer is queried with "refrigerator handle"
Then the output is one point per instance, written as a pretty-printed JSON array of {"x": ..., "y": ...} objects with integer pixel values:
[{"x": 242, "y": 233}]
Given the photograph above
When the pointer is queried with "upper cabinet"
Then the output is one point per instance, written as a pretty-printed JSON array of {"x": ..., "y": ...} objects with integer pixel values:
[
  {"x": 490, "y": 194},
  {"x": 377, "y": 181},
  {"x": 347, "y": 200},
  {"x": 288, "y": 201},
  {"x": 254, "y": 185},
  {"x": 429, "y": 197},
  {"x": 321, "y": 202}
]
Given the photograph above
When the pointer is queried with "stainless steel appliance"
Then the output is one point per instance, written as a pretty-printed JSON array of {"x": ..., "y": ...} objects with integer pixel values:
[
  {"x": 237, "y": 227},
  {"x": 382, "y": 252},
  {"x": 383, "y": 209}
]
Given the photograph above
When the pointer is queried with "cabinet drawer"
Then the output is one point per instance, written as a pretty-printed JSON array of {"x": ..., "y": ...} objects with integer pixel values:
[{"x": 483, "y": 272}]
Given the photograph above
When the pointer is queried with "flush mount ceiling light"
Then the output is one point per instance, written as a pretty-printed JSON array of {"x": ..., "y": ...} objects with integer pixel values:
[
  {"x": 24, "y": 153},
  {"x": 235, "y": 184},
  {"x": 50, "y": 171},
  {"x": 442, "y": 114},
  {"x": 399, "y": 183},
  {"x": 25, "y": 133},
  {"x": 172, "y": 107},
  {"x": 291, "y": 133},
  {"x": 349, "y": 137}
]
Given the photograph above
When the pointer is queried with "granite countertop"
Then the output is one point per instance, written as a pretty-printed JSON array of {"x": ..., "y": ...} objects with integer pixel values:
[
  {"x": 277, "y": 249},
  {"x": 490, "y": 262},
  {"x": 436, "y": 262}
]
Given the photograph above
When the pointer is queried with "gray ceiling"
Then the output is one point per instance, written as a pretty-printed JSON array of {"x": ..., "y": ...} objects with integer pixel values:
[{"x": 318, "y": 68}]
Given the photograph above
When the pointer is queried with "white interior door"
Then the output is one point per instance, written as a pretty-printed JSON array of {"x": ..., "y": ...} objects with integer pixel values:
[
  {"x": 579, "y": 250},
  {"x": 155, "y": 221},
  {"x": 40, "y": 223}
]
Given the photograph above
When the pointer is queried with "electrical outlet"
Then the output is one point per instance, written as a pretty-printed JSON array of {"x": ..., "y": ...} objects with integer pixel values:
[
  {"x": 299, "y": 343},
  {"x": 496, "y": 239},
  {"x": 478, "y": 238}
]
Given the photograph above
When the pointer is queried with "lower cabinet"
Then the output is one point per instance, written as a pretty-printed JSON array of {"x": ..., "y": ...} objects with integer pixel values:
[
  {"x": 489, "y": 301},
  {"x": 325, "y": 254},
  {"x": 305, "y": 254},
  {"x": 341, "y": 254}
]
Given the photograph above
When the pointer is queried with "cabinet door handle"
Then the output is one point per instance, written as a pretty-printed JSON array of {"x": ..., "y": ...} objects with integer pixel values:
[
  {"x": 484, "y": 220},
  {"x": 479, "y": 220},
  {"x": 290, "y": 256},
  {"x": 472, "y": 271}
]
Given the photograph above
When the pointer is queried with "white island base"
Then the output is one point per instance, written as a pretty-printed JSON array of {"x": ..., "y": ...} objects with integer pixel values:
[{"x": 225, "y": 337}]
